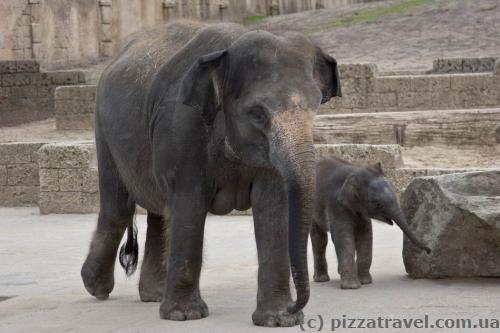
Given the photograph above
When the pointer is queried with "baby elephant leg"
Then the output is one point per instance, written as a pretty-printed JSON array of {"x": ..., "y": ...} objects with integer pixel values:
[
  {"x": 319, "y": 240},
  {"x": 364, "y": 245},
  {"x": 343, "y": 239}
]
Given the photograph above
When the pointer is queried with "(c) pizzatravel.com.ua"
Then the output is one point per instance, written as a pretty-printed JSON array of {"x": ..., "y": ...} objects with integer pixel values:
[{"x": 320, "y": 323}]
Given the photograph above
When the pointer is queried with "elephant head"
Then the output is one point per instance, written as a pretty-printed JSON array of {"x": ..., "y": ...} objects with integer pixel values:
[
  {"x": 268, "y": 88},
  {"x": 370, "y": 192}
]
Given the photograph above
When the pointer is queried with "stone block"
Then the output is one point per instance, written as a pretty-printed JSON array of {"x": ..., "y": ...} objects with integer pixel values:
[
  {"x": 61, "y": 78},
  {"x": 3, "y": 175},
  {"x": 70, "y": 180},
  {"x": 106, "y": 14},
  {"x": 439, "y": 83},
  {"x": 22, "y": 174},
  {"x": 16, "y": 196},
  {"x": 458, "y": 216},
  {"x": 357, "y": 71},
  {"x": 66, "y": 155},
  {"x": 36, "y": 32},
  {"x": 90, "y": 181},
  {"x": 389, "y": 155},
  {"x": 23, "y": 92},
  {"x": 49, "y": 180},
  {"x": 413, "y": 100},
  {"x": 420, "y": 83},
  {"x": 16, "y": 80},
  {"x": 5, "y": 92},
  {"x": 442, "y": 99},
  {"x": 382, "y": 100},
  {"x": 68, "y": 203},
  {"x": 392, "y": 84},
  {"x": 497, "y": 68},
  {"x": 106, "y": 33},
  {"x": 78, "y": 92},
  {"x": 15, "y": 153},
  {"x": 19, "y": 66},
  {"x": 466, "y": 82}
]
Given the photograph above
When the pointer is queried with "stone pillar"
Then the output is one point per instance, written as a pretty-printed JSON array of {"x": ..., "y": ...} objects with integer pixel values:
[
  {"x": 105, "y": 38},
  {"x": 36, "y": 30},
  {"x": 170, "y": 10},
  {"x": 223, "y": 5}
]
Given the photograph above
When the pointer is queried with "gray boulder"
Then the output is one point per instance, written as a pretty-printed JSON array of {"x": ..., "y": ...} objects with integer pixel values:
[{"x": 458, "y": 217}]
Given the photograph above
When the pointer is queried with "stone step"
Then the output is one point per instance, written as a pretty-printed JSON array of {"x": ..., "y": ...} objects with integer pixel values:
[{"x": 411, "y": 128}]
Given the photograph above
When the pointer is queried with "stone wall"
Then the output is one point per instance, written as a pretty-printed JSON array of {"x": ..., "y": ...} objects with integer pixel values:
[
  {"x": 463, "y": 65},
  {"x": 62, "y": 33},
  {"x": 26, "y": 94},
  {"x": 365, "y": 91},
  {"x": 68, "y": 178},
  {"x": 75, "y": 107},
  {"x": 15, "y": 30},
  {"x": 19, "y": 180}
]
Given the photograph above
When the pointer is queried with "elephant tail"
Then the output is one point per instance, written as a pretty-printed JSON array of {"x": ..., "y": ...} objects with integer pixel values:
[{"x": 129, "y": 252}]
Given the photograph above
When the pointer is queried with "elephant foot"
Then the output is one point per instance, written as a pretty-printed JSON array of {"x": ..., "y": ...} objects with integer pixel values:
[
  {"x": 98, "y": 282},
  {"x": 184, "y": 309},
  {"x": 365, "y": 278},
  {"x": 277, "y": 318},
  {"x": 352, "y": 283},
  {"x": 321, "y": 277}
]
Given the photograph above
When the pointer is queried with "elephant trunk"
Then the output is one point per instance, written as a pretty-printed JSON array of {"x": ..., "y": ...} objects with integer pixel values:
[
  {"x": 400, "y": 220},
  {"x": 294, "y": 152}
]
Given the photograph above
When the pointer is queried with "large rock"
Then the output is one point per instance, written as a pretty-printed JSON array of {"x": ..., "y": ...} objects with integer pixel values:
[{"x": 458, "y": 216}]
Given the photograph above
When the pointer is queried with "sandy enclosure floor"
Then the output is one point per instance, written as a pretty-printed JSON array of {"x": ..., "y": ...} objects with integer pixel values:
[
  {"x": 409, "y": 40},
  {"x": 41, "y": 256}
]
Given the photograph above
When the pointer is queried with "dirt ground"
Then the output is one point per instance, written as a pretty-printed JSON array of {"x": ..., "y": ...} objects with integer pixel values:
[
  {"x": 42, "y": 131},
  {"x": 409, "y": 40}
]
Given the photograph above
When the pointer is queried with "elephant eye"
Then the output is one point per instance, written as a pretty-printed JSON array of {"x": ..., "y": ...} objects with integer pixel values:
[{"x": 257, "y": 114}]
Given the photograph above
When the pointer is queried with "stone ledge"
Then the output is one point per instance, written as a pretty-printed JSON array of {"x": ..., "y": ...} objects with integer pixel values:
[
  {"x": 19, "y": 66},
  {"x": 411, "y": 128}
]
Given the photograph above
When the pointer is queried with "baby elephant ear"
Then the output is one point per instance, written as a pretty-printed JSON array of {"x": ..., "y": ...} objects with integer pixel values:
[
  {"x": 348, "y": 194},
  {"x": 378, "y": 167},
  {"x": 326, "y": 74},
  {"x": 201, "y": 86}
]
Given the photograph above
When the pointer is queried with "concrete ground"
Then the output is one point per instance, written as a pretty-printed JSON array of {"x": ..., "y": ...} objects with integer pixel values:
[{"x": 40, "y": 259}]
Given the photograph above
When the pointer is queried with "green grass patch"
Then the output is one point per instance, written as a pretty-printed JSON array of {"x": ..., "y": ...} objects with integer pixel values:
[
  {"x": 249, "y": 20},
  {"x": 371, "y": 14}
]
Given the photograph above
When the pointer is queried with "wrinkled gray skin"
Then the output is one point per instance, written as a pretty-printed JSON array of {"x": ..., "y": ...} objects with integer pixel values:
[
  {"x": 194, "y": 119},
  {"x": 347, "y": 198}
]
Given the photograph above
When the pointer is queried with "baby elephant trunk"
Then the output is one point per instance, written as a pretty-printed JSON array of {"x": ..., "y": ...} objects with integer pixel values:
[{"x": 400, "y": 220}]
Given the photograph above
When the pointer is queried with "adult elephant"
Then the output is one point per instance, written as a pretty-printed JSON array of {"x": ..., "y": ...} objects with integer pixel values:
[{"x": 192, "y": 119}]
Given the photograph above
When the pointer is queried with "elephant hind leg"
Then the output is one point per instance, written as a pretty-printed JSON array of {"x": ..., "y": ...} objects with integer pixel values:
[
  {"x": 115, "y": 215},
  {"x": 154, "y": 264}
]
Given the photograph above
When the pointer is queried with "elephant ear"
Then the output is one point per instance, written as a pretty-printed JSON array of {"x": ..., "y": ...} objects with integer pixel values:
[
  {"x": 326, "y": 74},
  {"x": 201, "y": 86},
  {"x": 348, "y": 195}
]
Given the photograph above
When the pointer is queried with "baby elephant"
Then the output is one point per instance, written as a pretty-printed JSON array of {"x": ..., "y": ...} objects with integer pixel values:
[{"x": 347, "y": 197}]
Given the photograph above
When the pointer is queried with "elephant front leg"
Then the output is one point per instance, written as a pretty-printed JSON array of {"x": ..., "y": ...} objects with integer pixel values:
[
  {"x": 182, "y": 299},
  {"x": 153, "y": 269},
  {"x": 364, "y": 249},
  {"x": 271, "y": 233},
  {"x": 343, "y": 239}
]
